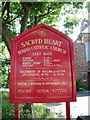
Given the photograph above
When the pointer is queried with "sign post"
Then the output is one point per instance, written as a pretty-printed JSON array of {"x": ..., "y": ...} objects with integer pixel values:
[
  {"x": 17, "y": 111},
  {"x": 42, "y": 67},
  {"x": 68, "y": 110}
]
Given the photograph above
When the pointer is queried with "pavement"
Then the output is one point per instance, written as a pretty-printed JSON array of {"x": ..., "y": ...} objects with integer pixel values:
[{"x": 78, "y": 108}]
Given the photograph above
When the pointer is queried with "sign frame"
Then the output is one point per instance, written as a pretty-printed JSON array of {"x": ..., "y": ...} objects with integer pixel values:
[{"x": 13, "y": 65}]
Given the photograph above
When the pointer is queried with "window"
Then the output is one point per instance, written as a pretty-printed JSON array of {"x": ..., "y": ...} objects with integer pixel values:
[{"x": 87, "y": 47}]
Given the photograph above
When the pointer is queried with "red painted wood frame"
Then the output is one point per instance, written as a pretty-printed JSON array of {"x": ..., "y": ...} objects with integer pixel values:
[{"x": 42, "y": 67}]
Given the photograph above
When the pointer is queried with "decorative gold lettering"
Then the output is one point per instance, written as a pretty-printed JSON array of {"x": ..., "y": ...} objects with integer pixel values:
[
  {"x": 27, "y": 71},
  {"x": 47, "y": 53},
  {"x": 58, "y": 49},
  {"x": 52, "y": 42},
  {"x": 43, "y": 83},
  {"x": 51, "y": 90},
  {"x": 36, "y": 53},
  {"x": 24, "y": 50},
  {"x": 31, "y": 42},
  {"x": 39, "y": 47},
  {"x": 24, "y": 91}
]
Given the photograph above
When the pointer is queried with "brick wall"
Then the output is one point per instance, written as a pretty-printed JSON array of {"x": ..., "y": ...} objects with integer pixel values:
[
  {"x": 89, "y": 75},
  {"x": 81, "y": 64}
]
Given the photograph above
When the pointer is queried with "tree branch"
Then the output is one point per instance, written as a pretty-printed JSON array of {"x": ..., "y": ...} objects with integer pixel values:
[
  {"x": 6, "y": 7},
  {"x": 0, "y": 26},
  {"x": 7, "y": 11},
  {"x": 15, "y": 17},
  {"x": 6, "y": 36},
  {"x": 36, "y": 17},
  {"x": 26, "y": 7},
  {"x": 24, "y": 22},
  {"x": 25, "y": 17},
  {"x": 45, "y": 14}
]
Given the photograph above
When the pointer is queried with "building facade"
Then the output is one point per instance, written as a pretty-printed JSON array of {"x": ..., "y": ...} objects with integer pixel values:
[{"x": 82, "y": 54}]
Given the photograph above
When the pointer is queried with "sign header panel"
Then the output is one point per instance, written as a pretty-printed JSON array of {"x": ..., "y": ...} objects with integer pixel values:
[{"x": 42, "y": 67}]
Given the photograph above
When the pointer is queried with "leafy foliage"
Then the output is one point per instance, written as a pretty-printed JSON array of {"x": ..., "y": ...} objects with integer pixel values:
[
  {"x": 79, "y": 85},
  {"x": 42, "y": 112},
  {"x": 70, "y": 23},
  {"x": 5, "y": 61},
  {"x": 40, "y": 12},
  {"x": 88, "y": 6},
  {"x": 7, "y": 108}
]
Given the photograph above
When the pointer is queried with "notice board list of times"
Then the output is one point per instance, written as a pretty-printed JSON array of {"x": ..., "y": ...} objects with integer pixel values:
[{"x": 47, "y": 74}]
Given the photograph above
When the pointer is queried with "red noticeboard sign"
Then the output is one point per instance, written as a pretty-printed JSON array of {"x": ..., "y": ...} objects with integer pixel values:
[{"x": 42, "y": 67}]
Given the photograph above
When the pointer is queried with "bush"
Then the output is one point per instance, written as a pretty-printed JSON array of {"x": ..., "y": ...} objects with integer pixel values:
[
  {"x": 7, "y": 108},
  {"x": 39, "y": 111},
  {"x": 79, "y": 85},
  {"x": 42, "y": 112}
]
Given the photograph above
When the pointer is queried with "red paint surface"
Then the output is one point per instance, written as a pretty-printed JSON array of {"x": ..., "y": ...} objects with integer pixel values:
[
  {"x": 68, "y": 110},
  {"x": 42, "y": 72},
  {"x": 17, "y": 112}
]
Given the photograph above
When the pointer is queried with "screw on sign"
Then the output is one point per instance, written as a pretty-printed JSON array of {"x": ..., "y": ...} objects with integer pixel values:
[{"x": 42, "y": 67}]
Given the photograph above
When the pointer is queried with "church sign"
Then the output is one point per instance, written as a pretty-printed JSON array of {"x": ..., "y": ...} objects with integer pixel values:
[{"x": 42, "y": 67}]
